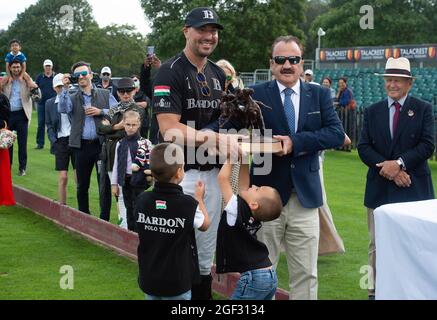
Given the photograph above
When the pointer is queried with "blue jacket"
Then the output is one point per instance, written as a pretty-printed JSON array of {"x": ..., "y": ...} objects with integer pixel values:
[
  {"x": 53, "y": 121},
  {"x": 414, "y": 143},
  {"x": 319, "y": 128}
]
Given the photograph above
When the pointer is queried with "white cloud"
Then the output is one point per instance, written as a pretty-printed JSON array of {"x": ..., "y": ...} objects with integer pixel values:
[{"x": 105, "y": 13}]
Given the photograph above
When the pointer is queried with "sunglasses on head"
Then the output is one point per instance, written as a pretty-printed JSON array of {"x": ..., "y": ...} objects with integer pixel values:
[
  {"x": 201, "y": 78},
  {"x": 78, "y": 74},
  {"x": 291, "y": 59},
  {"x": 124, "y": 91}
]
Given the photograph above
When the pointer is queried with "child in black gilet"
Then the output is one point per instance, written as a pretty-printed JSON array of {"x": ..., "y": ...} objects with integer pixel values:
[
  {"x": 167, "y": 252},
  {"x": 238, "y": 249},
  {"x": 133, "y": 182}
]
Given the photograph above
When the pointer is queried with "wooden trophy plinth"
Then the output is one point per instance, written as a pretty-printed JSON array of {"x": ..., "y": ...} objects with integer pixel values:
[{"x": 261, "y": 145}]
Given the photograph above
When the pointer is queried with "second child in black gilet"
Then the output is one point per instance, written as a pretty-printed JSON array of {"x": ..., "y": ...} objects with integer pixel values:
[
  {"x": 238, "y": 249},
  {"x": 167, "y": 252}
]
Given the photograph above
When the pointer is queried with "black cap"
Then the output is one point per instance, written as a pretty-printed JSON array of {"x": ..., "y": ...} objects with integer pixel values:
[
  {"x": 126, "y": 83},
  {"x": 202, "y": 16}
]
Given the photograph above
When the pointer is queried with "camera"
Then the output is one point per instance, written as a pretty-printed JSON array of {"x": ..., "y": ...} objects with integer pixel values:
[
  {"x": 150, "y": 51},
  {"x": 73, "y": 79}
]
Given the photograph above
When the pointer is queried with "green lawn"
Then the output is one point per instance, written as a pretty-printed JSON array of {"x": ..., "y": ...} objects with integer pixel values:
[{"x": 33, "y": 249}]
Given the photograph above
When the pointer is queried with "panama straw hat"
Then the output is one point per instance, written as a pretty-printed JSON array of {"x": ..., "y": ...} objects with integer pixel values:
[{"x": 399, "y": 67}]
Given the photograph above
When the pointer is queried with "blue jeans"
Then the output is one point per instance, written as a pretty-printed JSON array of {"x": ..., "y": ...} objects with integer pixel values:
[
  {"x": 183, "y": 296},
  {"x": 256, "y": 285}
]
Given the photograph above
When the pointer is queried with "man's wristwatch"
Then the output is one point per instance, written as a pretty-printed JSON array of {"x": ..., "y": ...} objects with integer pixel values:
[{"x": 401, "y": 164}]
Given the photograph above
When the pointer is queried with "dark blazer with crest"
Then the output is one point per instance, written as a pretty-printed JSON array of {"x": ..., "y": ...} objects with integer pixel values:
[
  {"x": 319, "y": 128},
  {"x": 413, "y": 142}
]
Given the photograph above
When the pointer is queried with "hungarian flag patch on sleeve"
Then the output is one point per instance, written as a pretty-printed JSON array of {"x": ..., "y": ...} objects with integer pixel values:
[{"x": 162, "y": 91}]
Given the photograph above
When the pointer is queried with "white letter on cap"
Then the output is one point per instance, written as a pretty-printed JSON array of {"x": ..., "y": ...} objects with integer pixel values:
[{"x": 208, "y": 14}]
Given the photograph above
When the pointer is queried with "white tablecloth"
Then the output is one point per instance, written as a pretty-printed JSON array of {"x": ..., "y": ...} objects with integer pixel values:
[{"x": 406, "y": 251}]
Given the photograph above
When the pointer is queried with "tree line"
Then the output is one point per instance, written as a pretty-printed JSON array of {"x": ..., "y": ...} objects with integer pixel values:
[{"x": 250, "y": 28}]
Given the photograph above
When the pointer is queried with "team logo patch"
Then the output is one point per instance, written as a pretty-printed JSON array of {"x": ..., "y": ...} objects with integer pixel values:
[
  {"x": 161, "y": 205},
  {"x": 162, "y": 91}
]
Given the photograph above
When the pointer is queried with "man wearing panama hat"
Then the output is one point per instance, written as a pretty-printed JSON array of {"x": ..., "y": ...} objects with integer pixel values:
[{"x": 397, "y": 139}]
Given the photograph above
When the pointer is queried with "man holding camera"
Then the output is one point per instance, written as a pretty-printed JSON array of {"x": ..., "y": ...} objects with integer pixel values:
[
  {"x": 19, "y": 94},
  {"x": 86, "y": 107}
]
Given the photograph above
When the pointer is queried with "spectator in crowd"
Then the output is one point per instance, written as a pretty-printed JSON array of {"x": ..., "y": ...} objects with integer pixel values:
[
  {"x": 142, "y": 101},
  {"x": 86, "y": 108},
  {"x": 58, "y": 132},
  {"x": 303, "y": 118},
  {"x": 347, "y": 112},
  {"x": 232, "y": 80},
  {"x": 238, "y": 249},
  {"x": 327, "y": 83},
  {"x": 187, "y": 93},
  {"x": 45, "y": 83},
  {"x": 161, "y": 252},
  {"x": 397, "y": 139},
  {"x": 15, "y": 55},
  {"x": 150, "y": 62},
  {"x": 105, "y": 82},
  {"x": 132, "y": 182},
  {"x": 309, "y": 76},
  {"x": 112, "y": 128},
  {"x": 6, "y": 193},
  {"x": 18, "y": 92}
]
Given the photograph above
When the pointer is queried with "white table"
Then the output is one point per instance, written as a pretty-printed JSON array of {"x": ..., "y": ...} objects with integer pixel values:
[{"x": 406, "y": 251}]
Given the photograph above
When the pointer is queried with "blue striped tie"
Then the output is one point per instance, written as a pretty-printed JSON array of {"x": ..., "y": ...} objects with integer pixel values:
[{"x": 289, "y": 110}]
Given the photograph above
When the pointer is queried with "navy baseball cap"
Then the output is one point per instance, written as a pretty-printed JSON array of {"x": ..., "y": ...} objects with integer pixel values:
[{"x": 202, "y": 16}]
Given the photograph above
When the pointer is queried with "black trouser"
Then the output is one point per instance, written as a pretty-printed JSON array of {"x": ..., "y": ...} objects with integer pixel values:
[
  {"x": 130, "y": 195},
  {"x": 86, "y": 158},
  {"x": 18, "y": 121},
  {"x": 104, "y": 191},
  {"x": 40, "y": 132}
]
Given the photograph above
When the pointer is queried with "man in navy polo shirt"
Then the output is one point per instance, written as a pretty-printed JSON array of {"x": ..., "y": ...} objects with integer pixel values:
[{"x": 45, "y": 83}]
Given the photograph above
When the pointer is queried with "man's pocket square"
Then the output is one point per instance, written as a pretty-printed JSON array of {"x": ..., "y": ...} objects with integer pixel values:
[{"x": 315, "y": 112}]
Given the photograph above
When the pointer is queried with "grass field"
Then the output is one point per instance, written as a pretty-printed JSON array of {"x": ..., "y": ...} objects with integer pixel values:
[{"x": 32, "y": 249}]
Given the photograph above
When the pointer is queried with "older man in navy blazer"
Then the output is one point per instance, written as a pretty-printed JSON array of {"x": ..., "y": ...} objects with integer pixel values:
[
  {"x": 303, "y": 118},
  {"x": 396, "y": 141}
]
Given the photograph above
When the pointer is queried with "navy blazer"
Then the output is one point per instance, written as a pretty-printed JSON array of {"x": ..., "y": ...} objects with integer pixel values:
[
  {"x": 319, "y": 128},
  {"x": 414, "y": 143},
  {"x": 53, "y": 121}
]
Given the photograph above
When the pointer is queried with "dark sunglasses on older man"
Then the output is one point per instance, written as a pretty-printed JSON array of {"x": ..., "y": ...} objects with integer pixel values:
[
  {"x": 291, "y": 59},
  {"x": 123, "y": 91}
]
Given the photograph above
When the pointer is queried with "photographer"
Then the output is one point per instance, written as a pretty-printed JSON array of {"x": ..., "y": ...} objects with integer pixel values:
[{"x": 86, "y": 107}]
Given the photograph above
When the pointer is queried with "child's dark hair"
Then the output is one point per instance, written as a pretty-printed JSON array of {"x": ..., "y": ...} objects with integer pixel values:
[
  {"x": 14, "y": 41},
  {"x": 165, "y": 160},
  {"x": 269, "y": 207}
]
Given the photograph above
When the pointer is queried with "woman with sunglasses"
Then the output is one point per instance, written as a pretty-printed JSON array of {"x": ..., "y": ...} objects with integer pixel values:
[
  {"x": 113, "y": 129},
  {"x": 232, "y": 80}
]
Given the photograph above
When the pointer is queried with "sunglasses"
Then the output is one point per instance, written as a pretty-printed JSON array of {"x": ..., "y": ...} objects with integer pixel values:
[
  {"x": 228, "y": 78},
  {"x": 291, "y": 59},
  {"x": 106, "y": 74},
  {"x": 201, "y": 78},
  {"x": 124, "y": 91},
  {"x": 82, "y": 73}
]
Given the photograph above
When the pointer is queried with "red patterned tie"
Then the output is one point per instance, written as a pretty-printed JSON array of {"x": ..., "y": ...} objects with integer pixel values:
[{"x": 396, "y": 117}]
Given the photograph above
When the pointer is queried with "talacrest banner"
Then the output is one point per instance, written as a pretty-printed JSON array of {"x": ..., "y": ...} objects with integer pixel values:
[{"x": 364, "y": 54}]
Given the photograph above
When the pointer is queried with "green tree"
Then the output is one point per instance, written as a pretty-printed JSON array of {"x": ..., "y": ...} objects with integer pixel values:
[
  {"x": 46, "y": 33},
  {"x": 250, "y": 27},
  {"x": 395, "y": 22}
]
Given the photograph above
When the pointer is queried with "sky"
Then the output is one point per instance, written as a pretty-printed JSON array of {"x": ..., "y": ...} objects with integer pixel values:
[{"x": 105, "y": 13}]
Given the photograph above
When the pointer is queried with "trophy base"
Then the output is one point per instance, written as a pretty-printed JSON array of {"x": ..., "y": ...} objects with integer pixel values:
[{"x": 261, "y": 145}]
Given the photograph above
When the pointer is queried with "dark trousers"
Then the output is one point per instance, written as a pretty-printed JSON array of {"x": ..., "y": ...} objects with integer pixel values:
[
  {"x": 130, "y": 195},
  {"x": 105, "y": 199},
  {"x": 19, "y": 122},
  {"x": 40, "y": 133},
  {"x": 86, "y": 158}
]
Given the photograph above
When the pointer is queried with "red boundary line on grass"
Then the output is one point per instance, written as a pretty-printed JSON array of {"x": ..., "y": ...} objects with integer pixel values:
[{"x": 106, "y": 234}]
